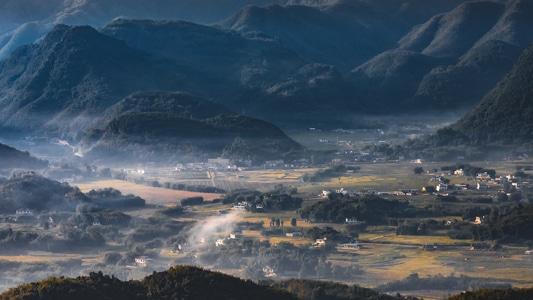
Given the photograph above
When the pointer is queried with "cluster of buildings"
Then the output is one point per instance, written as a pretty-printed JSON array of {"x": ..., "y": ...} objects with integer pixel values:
[
  {"x": 327, "y": 193},
  {"x": 483, "y": 180},
  {"x": 224, "y": 164}
]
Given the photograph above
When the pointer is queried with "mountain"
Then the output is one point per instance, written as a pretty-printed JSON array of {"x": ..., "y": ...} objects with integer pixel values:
[
  {"x": 164, "y": 137},
  {"x": 220, "y": 57},
  {"x": 26, "y": 33},
  {"x": 502, "y": 120},
  {"x": 293, "y": 65},
  {"x": 250, "y": 73},
  {"x": 458, "y": 56},
  {"x": 25, "y": 21},
  {"x": 340, "y": 33},
  {"x": 505, "y": 115},
  {"x": 178, "y": 103},
  {"x": 75, "y": 73},
  {"x": 13, "y": 158},
  {"x": 58, "y": 85},
  {"x": 167, "y": 126},
  {"x": 100, "y": 12}
]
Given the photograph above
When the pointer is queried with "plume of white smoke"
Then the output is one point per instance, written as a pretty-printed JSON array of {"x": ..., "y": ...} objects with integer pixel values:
[{"x": 206, "y": 231}]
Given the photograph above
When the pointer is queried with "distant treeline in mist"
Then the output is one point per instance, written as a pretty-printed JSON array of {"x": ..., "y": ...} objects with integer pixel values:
[
  {"x": 170, "y": 185},
  {"x": 440, "y": 282}
]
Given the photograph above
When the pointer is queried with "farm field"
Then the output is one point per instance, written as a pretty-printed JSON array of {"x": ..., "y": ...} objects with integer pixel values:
[
  {"x": 382, "y": 177},
  {"x": 152, "y": 195},
  {"x": 383, "y": 257}
]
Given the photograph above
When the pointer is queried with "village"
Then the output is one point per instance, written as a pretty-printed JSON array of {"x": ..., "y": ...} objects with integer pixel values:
[{"x": 438, "y": 183}]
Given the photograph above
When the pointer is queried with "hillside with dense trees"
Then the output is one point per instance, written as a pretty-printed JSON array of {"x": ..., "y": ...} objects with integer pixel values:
[
  {"x": 503, "y": 120},
  {"x": 495, "y": 294},
  {"x": 164, "y": 137},
  {"x": 185, "y": 282},
  {"x": 13, "y": 158},
  {"x": 178, "y": 282}
]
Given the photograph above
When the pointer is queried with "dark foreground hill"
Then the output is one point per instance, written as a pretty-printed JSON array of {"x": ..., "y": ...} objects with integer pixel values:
[
  {"x": 502, "y": 120},
  {"x": 184, "y": 282},
  {"x": 13, "y": 158},
  {"x": 176, "y": 283},
  {"x": 507, "y": 294}
]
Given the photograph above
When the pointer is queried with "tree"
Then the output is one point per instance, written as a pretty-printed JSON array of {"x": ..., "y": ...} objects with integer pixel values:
[
  {"x": 418, "y": 170},
  {"x": 502, "y": 197},
  {"x": 112, "y": 258},
  {"x": 516, "y": 196},
  {"x": 293, "y": 222}
]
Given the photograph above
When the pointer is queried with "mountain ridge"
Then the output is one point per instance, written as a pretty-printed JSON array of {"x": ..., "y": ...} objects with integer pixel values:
[
  {"x": 500, "y": 123},
  {"x": 467, "y": 60},
  {"x": 16, "y": 15},
  {"x": 75, "y": 74}
]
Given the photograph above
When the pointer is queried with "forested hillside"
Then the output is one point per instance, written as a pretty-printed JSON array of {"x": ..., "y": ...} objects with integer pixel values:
[
  {"x": 502, "y": 121},
  {"x": 183, "y": 282},
  {"x": 13, "y": 158}
]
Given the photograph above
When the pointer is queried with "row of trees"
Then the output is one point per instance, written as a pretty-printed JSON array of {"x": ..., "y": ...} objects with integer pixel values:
[
  {"x": 272, "y": 201},
  {"x": 414, "y": 282},
  {"x": 374, "y": 210}
]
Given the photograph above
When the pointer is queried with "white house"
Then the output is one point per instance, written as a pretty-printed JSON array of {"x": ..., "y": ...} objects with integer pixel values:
[
  {"x": 24, "y": 212},
  {"x": 143, "y": 261},
  {"x": 296, "y": 234},
  {"x": 269, "y": 272},
  {"x": 481, "y": 186},
  {"x": 460, "y": 187},
  {"x": 220, "y": 242},
  {"x": 235, "y": 235},
  {"x": 481, "y": 220},
  {"x": 354, "y": 221},
  {"x": 483, "y": 176},
  {"x": 320, "y": 242},
  {"x": 240, "y": 206},
  {"x": 351, "y": 245},
  {"x": 441, "y": 187}
]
